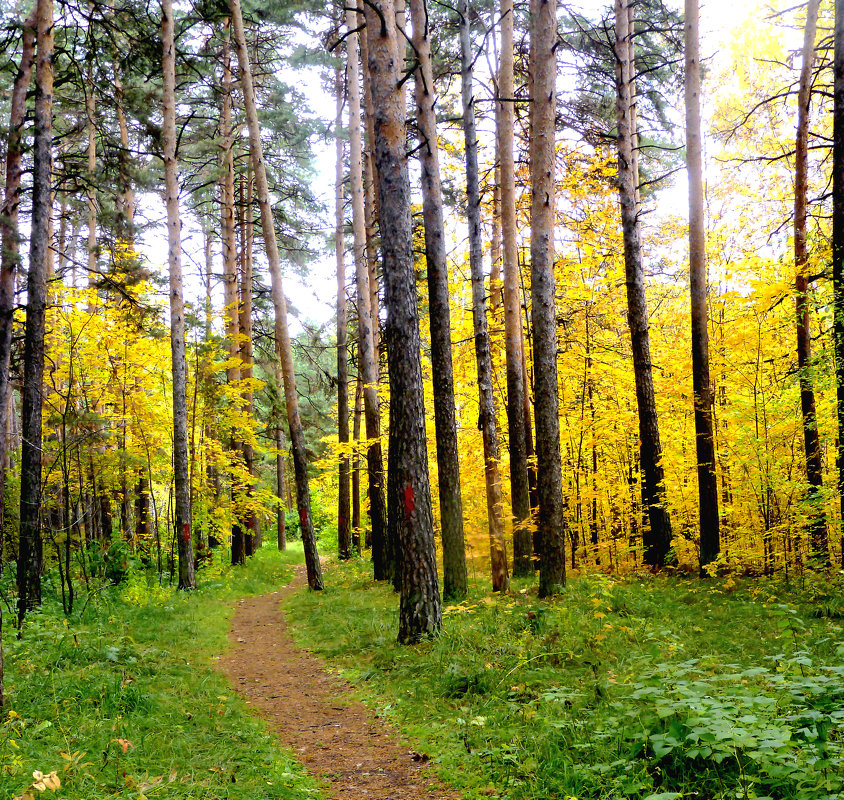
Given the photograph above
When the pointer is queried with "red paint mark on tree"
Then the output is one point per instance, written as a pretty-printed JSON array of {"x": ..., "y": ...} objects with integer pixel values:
[
  {"x": 341, "y": 521},
  {"x": 409, "y": 502},
  {"x": 303, "y": 516},
  {"x": 186, "y": 532}
]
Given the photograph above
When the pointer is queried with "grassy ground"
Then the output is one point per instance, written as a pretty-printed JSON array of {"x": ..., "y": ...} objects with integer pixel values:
[
  {"x": 653, "y": 688},
  {"x": 121, "y": 700}
]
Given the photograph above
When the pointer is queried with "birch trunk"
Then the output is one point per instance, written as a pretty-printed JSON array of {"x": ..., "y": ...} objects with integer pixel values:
[{"x": 282, "y": 337}]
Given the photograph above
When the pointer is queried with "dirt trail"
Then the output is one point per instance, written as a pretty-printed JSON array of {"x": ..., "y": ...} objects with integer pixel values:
[{"x": 335, "y": 738}]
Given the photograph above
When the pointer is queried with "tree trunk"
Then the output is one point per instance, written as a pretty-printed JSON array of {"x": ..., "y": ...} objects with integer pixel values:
[
  {"x": 814, "y": 467},
  {"x": 9, "y": 248},
  {"x": 368, "y": 358},
  {"x": 252, "y": 528},
  {"x": 486, "y": 417},
  {"x": 519, "y": 489},
  {"x": 370, "y": 177},
  {"x": 230, "y": 295},
  {"x": 281, "y": 531},
  {"x": 30, "y": 548},
  {"x": 656, "y": 535},
  {"x": 344, "y": 532},
  {"x": 420, "y": 613},
  {"x": 705, "y": 441},
  {"x": 181, "y": 475},
  {"x": 356, "y": 530},
  {"x": 455, "y": 580},
  {"x": 282, "y": 337},
  {"x": 838, "y": 244},
  {"x": 10, "y": 235},
  {"x": 543, "y": 40}
]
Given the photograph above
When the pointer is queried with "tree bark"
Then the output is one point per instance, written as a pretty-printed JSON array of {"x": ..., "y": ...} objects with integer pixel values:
[
  {"x": 356, "y": 531},
  {"x": 455, "y": 580},
  {"x": 344, "y": 534},
  {"x": 519, "y": 488},
  {"x": 10, "y": 236},
  {"x": 656, "y": 535},
  {"x": 181, "y": 476},
  {"x": 282, "y": 337},
  {"x": 543, "y": 40},
  {"x": 368, "y": 357},
  {"x": 370, "y": 178},
  {"x": 814, "y": 468},
  {"x": 281, "y": 527},
  {"x": 30, "y": 547},
  {"x": 704, "y": 438},
  {"x": 228, "y": 239},
  {"x": 838, "y": 244},
  {"x": 420, "y": 612},
  {"x": 486, "y": 417},
  {"x": 253, "y": 527}
]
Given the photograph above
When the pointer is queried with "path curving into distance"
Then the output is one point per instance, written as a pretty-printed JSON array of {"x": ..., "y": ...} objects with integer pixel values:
[{"x": 336, "y": 738}]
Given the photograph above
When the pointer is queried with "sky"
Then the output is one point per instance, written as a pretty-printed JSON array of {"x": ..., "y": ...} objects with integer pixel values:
[{"x": 315, "y": 296}]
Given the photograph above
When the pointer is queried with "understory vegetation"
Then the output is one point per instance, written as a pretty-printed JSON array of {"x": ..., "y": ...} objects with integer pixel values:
[
  {"x": 121, "y": 699},
  {"x": 655, "y": 688}
]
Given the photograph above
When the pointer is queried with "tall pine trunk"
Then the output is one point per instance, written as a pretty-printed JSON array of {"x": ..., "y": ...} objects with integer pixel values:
[
  {"x": 657, "y": 534},
  {"x": 519, "y": 487},
  {"x": 281, "y": 528},
  {"x": 368, "y": 356},
  {"x": 455, "y": 581},
  {"x": 814, "y": 467},
  {"x": 9, "y": 243},
  {"x": 228, "y": 239},
  {"x": 282, "y": 336},
  {"x": 356, "y": 531},
  {"x": 838, "y": 243},
  {"x": 181, "y": 474},
  {"x": 543, "y": 40},
  {"x": 486, "y": 417},
  {"x": 252, "y": 528},
  {"x": 30, "y": 548},
  {"x": 10, "y": 237},
  {"x": 710, "y": 544},
  {"x": 420, "y": 613},
  {"x": 344, "y": 531}
]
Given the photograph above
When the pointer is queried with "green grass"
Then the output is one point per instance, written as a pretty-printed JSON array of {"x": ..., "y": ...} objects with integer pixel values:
[
  {"x": 123, "y": 701},
  {"x": 646, "y": 688}
]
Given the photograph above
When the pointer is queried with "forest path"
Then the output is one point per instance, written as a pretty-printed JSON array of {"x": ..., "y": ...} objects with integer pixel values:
[{"x": 312, "y": 711}]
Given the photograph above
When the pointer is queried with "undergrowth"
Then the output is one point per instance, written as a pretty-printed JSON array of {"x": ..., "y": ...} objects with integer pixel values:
[
  {"x": 121, "y": 700},
  {"x": 654, "y": 688}
]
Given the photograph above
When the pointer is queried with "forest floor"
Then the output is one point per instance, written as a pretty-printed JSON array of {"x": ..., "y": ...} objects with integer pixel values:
[{"x": 310, "y": 709}]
